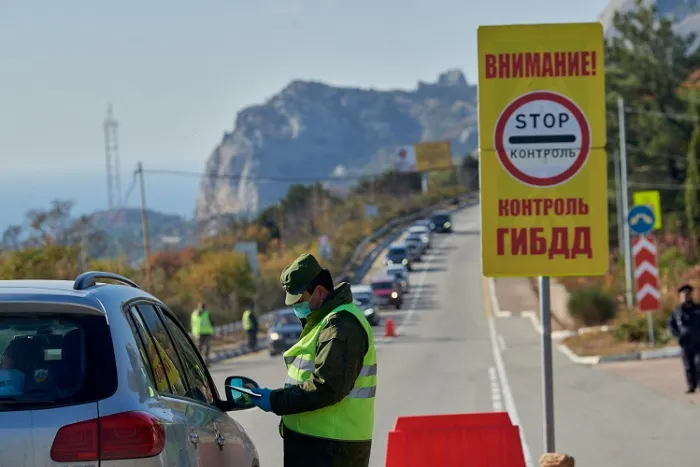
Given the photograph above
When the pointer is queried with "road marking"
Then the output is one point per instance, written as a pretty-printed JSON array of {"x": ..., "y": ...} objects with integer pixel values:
[
  {"x": 494, "y": 298},
  {"x": 419, "y": 289},
  {"x": 489, "y": 302},
  {"x": 502, "y": 343},
  {"x": 496, "y": 398}
]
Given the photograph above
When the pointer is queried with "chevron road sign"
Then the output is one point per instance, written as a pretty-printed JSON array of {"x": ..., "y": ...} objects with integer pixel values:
[{"x": 646, "y": 273}]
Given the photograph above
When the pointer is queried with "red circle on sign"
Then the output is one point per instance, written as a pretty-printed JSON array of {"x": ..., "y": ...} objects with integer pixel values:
[{"x": 518, "y": 174}]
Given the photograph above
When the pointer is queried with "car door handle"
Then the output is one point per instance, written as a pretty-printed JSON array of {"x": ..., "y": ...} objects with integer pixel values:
[
  {"x": 220, "y": 440},
  {"x": 194, "y": 438}
]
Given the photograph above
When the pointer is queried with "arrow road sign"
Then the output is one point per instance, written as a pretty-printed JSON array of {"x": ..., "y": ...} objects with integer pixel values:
[
  {"x": 641, "y": 219},
  {"x": 646, "y": 273}
]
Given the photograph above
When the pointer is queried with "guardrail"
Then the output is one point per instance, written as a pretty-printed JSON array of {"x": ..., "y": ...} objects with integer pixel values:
[{"x": 354, "y": 270}]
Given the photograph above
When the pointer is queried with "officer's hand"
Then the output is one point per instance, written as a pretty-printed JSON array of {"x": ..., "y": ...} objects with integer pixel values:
[{"x": 262, "y": 402}]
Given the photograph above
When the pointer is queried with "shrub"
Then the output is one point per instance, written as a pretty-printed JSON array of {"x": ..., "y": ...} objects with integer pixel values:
[
  {"x": 635, "y": 328},
  {"x": 591, "y": 306}
]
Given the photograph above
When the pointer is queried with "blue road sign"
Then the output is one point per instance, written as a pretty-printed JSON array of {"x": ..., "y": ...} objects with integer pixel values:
[{"x": 641, "y": 219}]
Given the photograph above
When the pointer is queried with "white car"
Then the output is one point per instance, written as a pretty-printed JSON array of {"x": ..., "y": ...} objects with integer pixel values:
[{"x": 424, "y": 233}]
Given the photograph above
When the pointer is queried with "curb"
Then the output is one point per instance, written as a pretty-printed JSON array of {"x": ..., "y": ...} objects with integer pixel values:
[{"x": 656, "y": 354}]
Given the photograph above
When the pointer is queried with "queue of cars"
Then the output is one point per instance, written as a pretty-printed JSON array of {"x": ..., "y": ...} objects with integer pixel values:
[{"x": 387, "y": 289}]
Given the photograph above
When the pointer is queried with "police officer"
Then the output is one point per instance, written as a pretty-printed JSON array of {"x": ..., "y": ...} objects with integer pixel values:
[
  {"x": 202, "y": 327},
  {"x": 250, "y": 326},
  {"x": 327, "y": 404},
  {"x": 684, "y": 325}
]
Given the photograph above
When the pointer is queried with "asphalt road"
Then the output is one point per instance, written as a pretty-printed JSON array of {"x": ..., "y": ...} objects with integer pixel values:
[{"x": 453, "y": 356}]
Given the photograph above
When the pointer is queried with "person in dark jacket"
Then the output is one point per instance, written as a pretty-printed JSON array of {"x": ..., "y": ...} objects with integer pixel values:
[
  {"x": 327, "y": 404},
  {"x": 684, "y": 325}
]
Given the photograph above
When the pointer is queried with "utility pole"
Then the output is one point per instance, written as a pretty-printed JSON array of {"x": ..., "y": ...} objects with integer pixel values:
[
  {"x": 625, "y": 204},
  {"x": 280, "y": 228},
  {"x": 618, "y": 199},
  {"x": 114, "y": 194},
  {"x": 144, "y": 227},
  {"x": 83, "y": 244}
]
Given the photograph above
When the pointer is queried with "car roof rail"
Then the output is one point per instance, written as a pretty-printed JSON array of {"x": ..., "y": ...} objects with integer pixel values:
[{"x": 89, "y": 279}]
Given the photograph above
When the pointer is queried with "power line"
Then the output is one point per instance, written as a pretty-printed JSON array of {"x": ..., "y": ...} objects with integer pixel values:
[{"x": 226, "y": 176}]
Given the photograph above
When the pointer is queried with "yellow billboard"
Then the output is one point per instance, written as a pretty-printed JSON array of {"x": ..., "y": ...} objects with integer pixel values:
[
  {"x": 433, "y": 155},
  {"x": 543, "y": 165},
  {"x": 653, "y": 200}
]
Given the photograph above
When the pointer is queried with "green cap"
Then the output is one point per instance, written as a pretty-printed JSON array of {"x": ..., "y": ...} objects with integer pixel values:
[{"x": 298, "y": 275}]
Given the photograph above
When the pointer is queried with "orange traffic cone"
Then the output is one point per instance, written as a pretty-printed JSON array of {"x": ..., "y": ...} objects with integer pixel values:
[{"x": 389, "y": 329}]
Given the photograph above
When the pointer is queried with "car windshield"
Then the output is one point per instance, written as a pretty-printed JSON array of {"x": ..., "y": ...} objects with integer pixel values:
[
  {"x": 394, "y": 272},
  {"x": 441, "y": 218},
  {"x": 413, "y": 237},
  {"x": 286, "y": 319},
  {"x": 397, "y": 253},
  {"x": 53, "y": 360},
  {"x": 382, "y": 285},
  {"x": 362, "y": 298}
]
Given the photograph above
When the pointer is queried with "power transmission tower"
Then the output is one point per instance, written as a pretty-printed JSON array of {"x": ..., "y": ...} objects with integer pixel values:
[{"x": 114, "y": 191}]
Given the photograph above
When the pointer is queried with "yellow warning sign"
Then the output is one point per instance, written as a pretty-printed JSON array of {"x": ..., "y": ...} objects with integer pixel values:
[
  {"x": 651, "y": 199},
  {"x": 433, "y": 156},
  {"x": 542, "y": 150}
]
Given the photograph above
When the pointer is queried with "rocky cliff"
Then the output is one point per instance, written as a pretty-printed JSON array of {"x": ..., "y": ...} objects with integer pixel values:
[{"x": 311, "y": 130}]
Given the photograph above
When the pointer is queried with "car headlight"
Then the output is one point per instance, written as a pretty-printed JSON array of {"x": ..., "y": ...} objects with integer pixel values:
[
  {"x": 405, "y": 261},
  {"x": 394, "y": 295},
  {"x": 369, "y": 311},
  {"x": 274, "y": 336},
  {"x": 424, "y": 239},
  {"x": 389, "y": 261},
  {"x": 447, "y": 225},
  {"x": 432, "y": 226}
]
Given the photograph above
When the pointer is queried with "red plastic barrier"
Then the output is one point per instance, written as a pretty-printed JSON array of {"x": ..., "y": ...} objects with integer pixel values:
[{"x": 459, "y": 440}]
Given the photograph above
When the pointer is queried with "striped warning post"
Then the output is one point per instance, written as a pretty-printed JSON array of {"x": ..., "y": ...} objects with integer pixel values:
[{"x": 646, "y": 273}]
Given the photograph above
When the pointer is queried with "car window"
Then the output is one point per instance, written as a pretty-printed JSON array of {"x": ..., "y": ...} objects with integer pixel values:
[
  {"x": 165, "y": 363},
  {"x": 195, "y": 371},
  {"x": 382, "y": 285},
  {"x": 54, "y": 359}
]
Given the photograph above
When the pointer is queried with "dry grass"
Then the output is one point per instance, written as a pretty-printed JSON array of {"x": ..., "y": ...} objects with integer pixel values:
[{"x": 601, "y": 343}]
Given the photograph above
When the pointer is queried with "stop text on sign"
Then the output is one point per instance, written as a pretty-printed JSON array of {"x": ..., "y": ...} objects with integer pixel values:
[
  {"x": 569, "y": 243},
  {"x": 542, "y": 139},
  {"x": 541, "y": 64}
]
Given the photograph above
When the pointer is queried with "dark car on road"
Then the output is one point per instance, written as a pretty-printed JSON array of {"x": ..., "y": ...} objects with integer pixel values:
[
  {"x": 387, "y": 291},
  {"x": 364, "y": 298},
  {"x": 284, "y": 332},
  {"x": 441, "y": 222},
  {"x": 398, "y": 253}
]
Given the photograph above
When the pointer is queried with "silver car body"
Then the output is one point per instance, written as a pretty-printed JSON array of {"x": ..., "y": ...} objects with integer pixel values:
[{"x": 195, "y": 433}]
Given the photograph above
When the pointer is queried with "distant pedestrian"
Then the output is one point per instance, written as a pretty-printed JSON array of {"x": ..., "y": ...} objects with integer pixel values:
[
  {"x": 202, "y": 327},
  {"x": 684, "y": 325},
  {"x": 250, "y": 326},
  {"x": 552, "y": 459}
]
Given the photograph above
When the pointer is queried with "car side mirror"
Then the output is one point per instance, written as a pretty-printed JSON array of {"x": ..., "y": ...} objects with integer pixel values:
[{"x": 236, "y": 400}]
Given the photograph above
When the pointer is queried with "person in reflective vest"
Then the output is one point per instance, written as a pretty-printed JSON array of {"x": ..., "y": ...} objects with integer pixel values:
[
  {"x": 250, "y": 326},
  {"x": 327, "y": 402},
  {"x": 202, "y": 327}
]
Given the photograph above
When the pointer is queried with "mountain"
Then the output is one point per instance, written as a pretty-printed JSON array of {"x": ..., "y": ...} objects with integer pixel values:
[
  {"x": 119, "y": 232},
  {"x": 311, "y": 130},
  {"x": 685, "y": 14}
]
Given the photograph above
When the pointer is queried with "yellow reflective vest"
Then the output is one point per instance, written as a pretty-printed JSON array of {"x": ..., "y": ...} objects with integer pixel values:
[
  {"x": 247, "y": 320},
  {"x": 351, "y": 419},
  {"x": 200, "y": 323}
]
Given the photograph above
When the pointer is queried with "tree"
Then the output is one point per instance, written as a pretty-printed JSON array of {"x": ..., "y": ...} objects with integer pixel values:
[{"x": 692, "y": 183}]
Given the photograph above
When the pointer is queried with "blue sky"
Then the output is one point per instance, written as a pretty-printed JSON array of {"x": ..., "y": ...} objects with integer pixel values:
[{"x": 177, "y": 73}]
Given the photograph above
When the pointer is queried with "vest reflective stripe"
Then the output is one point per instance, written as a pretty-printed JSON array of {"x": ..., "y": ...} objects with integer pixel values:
[
  {"x": 205, "y": 327},
  {"x": 351, "y": 419}
]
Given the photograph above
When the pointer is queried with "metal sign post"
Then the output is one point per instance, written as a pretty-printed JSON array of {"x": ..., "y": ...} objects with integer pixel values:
[{"x": 547, "y": 370}]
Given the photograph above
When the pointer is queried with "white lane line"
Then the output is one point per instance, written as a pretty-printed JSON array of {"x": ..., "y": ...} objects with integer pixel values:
[
  {"x": 419, "y": 289},
  {"x": 503, "y": 379},
  {"x": 494, "y": 300},
  {"x": 496, "y": 397},
  {"x": 502, "y": 343}
]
